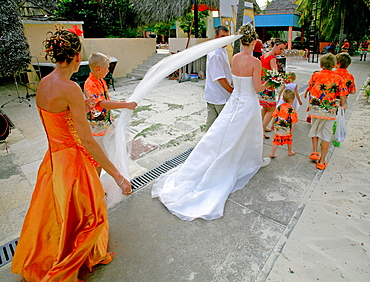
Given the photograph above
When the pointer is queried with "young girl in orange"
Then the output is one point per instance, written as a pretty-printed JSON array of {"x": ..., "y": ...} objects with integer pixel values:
[{"x": 284, "y": 118}]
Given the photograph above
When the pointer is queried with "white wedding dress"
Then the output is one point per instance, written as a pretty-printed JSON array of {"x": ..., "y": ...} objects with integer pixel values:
[{"x": 223, "y": 161}]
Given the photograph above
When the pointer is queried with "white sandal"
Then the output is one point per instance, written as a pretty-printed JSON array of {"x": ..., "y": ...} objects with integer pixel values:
[{"x": 265, "y": 162}]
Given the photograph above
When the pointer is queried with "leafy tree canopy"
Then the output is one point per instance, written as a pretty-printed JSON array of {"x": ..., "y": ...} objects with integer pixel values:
[
  {"x": 187, "y": 22},
  {"x": 114, "y": 18},
  {"x": 338, "y": 18}
]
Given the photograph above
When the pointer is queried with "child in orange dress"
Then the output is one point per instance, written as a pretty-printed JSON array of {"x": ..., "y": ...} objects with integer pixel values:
[
  {"x": 324, "y": 87},
  {"x": 285, "y": 118}
]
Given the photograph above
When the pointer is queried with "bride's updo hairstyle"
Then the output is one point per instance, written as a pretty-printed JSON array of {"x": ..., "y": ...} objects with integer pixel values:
[
  {"x": 62, "y": 46},
  {"x": 249, "y": 34}
]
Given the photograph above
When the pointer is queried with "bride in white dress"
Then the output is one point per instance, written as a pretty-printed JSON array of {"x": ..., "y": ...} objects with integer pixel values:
[{"x": 229, "y": 154}]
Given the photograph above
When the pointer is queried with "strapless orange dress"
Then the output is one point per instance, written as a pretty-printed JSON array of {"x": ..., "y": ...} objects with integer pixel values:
[{"x": 66, "y": 225}]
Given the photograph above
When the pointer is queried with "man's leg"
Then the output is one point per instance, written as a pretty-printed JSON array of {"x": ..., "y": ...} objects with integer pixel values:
[{"x": 213, "y": 112}]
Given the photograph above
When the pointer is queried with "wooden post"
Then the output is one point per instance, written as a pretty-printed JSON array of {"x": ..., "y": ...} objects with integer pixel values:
[{"x": 290, "y": 35}]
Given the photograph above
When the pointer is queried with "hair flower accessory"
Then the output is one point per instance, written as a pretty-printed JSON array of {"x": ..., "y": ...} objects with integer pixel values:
[
  {"x": 249, "y": 33},
  {"x": 76, "y": 30}
]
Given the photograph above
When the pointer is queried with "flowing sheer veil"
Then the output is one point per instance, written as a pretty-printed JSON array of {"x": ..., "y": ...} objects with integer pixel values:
[{"x": 115, "y": 142}]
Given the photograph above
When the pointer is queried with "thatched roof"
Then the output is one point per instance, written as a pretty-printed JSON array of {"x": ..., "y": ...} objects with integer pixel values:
[
  {"x": 37, "y": 8},
  {"x": 281, "y": 7},
  {"x": 154, "y": 11}
]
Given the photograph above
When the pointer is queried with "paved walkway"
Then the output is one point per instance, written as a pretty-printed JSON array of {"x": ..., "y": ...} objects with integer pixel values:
[{"x": 153, "y": 245}]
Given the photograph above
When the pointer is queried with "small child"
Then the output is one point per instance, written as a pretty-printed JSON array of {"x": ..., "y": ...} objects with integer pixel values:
[
  {"x": 284, "y": 118},
  {"x": 343, "y": 61},
  {"x": 96, "y": 90},
  {"x": 292, "y": 86},
  {"x": 324, "y": 87},
  {"x": 364, "y": 48}
]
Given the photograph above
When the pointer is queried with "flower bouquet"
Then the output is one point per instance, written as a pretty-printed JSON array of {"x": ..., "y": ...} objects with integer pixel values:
[
  {"x": 274, "y": 78},
  {"x": 288, "y": 78}
]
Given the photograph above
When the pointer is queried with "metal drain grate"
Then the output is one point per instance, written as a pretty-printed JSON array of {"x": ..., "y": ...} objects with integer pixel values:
[
  {"x": 7, "y": 252},
  {"x": 144, "y": 179}
]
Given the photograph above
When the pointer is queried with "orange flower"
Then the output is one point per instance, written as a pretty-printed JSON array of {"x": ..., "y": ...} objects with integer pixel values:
[{"x": 76, "y": 30}]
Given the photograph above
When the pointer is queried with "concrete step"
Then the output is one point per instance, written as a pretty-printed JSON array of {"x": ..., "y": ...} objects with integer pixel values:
[
  {"x": 145, "y": 66},
  {"x": 135, "y": 75},
  {"x": 140, "y": 71}
]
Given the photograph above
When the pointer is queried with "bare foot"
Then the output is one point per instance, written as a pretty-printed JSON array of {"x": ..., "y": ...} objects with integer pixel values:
[
  {"x": 108, "y": 258},
  {"x": 292, "y": 153},
  {"x": 272, "y": 156}
]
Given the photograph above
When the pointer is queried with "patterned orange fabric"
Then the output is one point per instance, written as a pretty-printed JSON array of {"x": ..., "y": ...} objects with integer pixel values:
[
  {"x": 267, "y": 98},
  {"x": 98, "y": 89},
  {"x": 345, "y": 46},
  {"x": 99, "y": 117},
  {"x": 284, "y": 116},
  {"x": 324, "y": 87},
  {"x": 365, "y": 46},
  {"x": 281, "y": 140},
  {"x": 348, "y": 78},
  {"x": 66, "y": 225}
]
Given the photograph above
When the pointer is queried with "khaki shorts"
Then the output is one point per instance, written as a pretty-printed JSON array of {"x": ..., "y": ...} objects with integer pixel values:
[{"x": 322, "y": 128}]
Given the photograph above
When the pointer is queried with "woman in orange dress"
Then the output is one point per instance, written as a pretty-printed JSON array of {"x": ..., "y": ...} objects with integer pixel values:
[
  {"x": 267, "y": 98},
  {"x": 66, "y": 225}
]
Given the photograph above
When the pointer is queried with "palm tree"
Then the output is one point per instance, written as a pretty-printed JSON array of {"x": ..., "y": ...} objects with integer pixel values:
[
  {"x": 336, "y": 17},
  {"x": 240, "y": 17}
]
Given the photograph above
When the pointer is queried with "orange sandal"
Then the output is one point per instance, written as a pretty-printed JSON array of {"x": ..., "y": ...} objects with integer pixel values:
[
  {"x": 322, "y": 166},
  {"x": 314, "y": 156},
  {"x": 108, "y": 258}
]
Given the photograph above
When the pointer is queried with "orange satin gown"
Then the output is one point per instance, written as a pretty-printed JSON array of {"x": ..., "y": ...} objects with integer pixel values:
[{"x": 66, "y": 225}]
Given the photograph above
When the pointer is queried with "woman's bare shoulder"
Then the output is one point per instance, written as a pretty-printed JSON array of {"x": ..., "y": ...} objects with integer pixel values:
[{"x": 56, "y": 94}]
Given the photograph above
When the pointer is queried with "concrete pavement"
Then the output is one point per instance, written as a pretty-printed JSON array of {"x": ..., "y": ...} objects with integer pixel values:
[{"x": 153, "y": 245}]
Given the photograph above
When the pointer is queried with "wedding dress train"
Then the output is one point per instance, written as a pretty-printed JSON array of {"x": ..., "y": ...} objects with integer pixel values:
[{"x": 223, "y": 161}]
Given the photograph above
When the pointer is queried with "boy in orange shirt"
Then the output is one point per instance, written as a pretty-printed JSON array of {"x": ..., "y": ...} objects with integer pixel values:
[
  {"x": 345, "y": 46},
  {"x": 96, "y": 90},
  {"x": 324, "y": 87},
  {"x": 343, "y": 62},
  {"x": 284, "y": 118}
]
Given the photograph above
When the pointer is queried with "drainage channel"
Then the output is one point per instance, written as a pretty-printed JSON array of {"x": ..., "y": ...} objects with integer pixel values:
[
  {"x": 7, "y": 251},
  {"x": 144, "y": 179}
]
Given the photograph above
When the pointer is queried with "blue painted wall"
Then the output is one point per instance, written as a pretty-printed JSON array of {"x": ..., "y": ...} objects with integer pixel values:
[
  {"x": 277, "y": 20},
  {"x": 216, "y": 22}
]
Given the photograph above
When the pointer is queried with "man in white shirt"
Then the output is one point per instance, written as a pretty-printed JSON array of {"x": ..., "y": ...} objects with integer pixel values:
[{"x": 218, "y": 79}]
